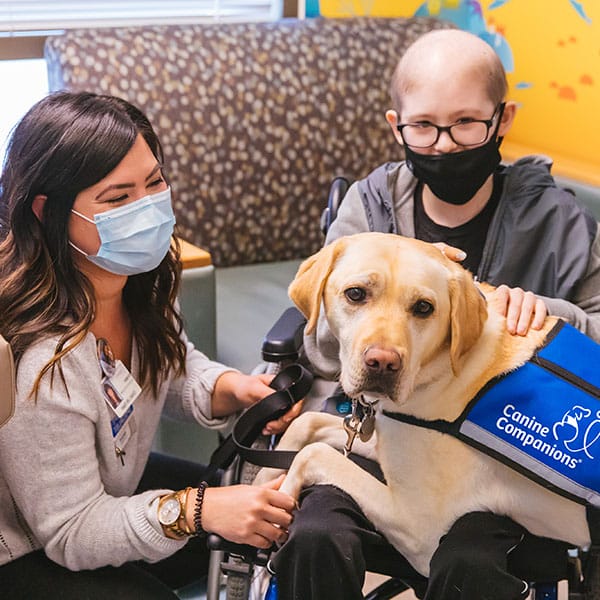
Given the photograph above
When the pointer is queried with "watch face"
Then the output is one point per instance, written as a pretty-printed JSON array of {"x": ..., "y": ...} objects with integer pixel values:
[{"x": 169, "y": 511}]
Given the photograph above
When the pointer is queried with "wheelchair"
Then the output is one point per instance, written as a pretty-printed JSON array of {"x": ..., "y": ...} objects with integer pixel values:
[{"x": 243, "y": 570}]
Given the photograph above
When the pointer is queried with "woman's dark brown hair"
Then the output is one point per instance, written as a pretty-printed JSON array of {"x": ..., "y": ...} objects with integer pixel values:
[{"x": 66, "y": 143}]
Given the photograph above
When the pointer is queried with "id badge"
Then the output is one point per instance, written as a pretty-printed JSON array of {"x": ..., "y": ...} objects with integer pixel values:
[
  {"x": 122, "y": 428},
  {"x": 118, "y": 423},
  {"x": 121, "y": 389}
]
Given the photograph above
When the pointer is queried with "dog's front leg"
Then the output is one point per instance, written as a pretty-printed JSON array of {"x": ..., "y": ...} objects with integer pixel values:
[{"x": 319, "y": 463}]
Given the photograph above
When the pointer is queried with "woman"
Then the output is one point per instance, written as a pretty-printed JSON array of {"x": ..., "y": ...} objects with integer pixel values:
[{"x": 90, "y": 275}]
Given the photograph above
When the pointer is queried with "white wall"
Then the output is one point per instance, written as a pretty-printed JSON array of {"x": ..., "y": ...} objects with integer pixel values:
[{"x": 24, "y": 82}]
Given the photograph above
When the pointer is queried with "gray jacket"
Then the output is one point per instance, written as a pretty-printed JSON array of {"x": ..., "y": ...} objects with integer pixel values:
[{"x": 540, "y": 239}]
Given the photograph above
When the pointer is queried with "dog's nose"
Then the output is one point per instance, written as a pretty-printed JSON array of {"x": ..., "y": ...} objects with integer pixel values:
[{"x": 380, "y": 360}]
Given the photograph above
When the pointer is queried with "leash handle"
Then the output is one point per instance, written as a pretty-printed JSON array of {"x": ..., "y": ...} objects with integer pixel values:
[{"x": 290, "y": 385}]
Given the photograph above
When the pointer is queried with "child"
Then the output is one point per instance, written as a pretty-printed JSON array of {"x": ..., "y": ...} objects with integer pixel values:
[{"x": 512, "y": 227}]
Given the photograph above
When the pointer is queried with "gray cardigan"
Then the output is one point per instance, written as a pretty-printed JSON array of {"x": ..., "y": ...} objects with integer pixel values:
[
  {"x": 534, "y": 218},
  {"x": 62, "y": 486}
]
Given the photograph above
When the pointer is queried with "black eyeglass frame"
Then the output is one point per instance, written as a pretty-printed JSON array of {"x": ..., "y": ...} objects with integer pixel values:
[{"x": 498, "y": 111}]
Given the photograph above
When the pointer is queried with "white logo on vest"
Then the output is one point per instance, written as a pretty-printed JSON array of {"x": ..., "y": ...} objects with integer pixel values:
[{"x": 576, "y": 434}]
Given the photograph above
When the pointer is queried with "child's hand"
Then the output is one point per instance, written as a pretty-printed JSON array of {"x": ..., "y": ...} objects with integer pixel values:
[
  {"x": 455, "y": 254},
  {"x": 281, "y": 424},
  {"x": 522, "y": 309}
]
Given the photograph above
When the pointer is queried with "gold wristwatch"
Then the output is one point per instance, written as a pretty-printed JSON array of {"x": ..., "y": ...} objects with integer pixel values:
[{"x": 171, "y": 513}]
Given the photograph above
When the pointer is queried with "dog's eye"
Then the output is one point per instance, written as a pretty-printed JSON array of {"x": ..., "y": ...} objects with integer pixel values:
[
  {"x": 355, "y": 294},
  {"x": 422, "y": 308}
]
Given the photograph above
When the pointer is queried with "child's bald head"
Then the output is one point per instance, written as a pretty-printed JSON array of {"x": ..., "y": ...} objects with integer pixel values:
[{"x": 445, "y": 53}]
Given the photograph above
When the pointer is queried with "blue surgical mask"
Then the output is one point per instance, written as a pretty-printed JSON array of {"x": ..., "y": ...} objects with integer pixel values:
[{"x": 134, "y": 238}]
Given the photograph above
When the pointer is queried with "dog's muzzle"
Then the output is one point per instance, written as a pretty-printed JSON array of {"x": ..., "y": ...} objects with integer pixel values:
[
  {"x": 382, "y": 362},
  {"x": 382, "y": 368}
]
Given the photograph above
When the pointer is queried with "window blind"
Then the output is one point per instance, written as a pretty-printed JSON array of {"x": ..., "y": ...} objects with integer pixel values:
[{"x": 35, "y": 15}]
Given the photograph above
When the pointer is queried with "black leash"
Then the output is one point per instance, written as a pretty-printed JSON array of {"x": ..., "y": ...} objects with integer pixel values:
[{"x": 290, "y": 385}]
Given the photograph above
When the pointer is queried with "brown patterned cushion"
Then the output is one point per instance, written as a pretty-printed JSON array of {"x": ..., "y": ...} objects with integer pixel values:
[{"x": 255, "y": 119}]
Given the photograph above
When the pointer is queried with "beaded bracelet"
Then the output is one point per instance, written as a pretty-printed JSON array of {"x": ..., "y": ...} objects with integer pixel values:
[{"x": 198, "y": 508}]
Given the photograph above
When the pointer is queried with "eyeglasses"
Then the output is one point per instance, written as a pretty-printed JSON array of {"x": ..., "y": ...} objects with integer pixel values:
[{"x": 467, "y": 132}]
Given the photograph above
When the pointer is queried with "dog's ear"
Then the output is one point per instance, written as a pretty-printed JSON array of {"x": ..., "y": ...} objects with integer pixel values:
[
  {"x": 306, "y": 290},
  {"x": 468, "y": 313}
]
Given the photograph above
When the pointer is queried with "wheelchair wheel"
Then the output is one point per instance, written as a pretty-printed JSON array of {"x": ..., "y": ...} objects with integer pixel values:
[
  {"x": 387, "y": 590},
  {"x": 250, "y": 582},
  {"x": 238, "y": 584},
  {"x": 240, "y": 573}
]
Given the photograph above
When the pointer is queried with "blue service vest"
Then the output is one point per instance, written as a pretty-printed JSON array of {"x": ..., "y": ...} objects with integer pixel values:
[{"x": 542, "y": 419}]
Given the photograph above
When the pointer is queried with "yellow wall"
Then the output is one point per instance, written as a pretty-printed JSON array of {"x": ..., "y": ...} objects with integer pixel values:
[{"x": 555, "y": 46}]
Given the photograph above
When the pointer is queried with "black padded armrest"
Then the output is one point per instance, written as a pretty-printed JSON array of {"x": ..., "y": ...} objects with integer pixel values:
[
  {"x": 284, "y": 340},
  {"x": 337, "y": 191}
]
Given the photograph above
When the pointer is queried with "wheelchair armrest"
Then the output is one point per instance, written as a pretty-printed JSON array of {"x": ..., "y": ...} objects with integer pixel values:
[
  {"x": 337, "y": 191},
  {"x": 284, "y": 340},
  {"x": 258, "y": 556}
]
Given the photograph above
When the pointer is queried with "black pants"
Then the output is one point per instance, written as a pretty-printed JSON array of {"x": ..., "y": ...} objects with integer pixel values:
[
  {"x": 490, "y": 557},
  {"x": 36, "y": 577},
  {"x": 331, "y": 544}
]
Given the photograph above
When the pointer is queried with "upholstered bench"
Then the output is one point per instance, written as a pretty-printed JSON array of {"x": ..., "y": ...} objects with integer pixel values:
[{"x": 255, "y": 118}]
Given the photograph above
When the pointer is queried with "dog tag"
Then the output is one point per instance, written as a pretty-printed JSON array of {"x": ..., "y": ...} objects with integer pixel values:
[{"x": 366, "y": 427}]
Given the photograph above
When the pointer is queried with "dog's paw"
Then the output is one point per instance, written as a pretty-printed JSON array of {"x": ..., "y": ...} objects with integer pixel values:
[
  {"x": 266, "y": 474},
  {"x": 308, "y": 468},
  {"x": 292, "y": 486}
]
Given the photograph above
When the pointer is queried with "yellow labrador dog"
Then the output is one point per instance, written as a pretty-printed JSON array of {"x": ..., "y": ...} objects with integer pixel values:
[{"x": 415, "y": 335}]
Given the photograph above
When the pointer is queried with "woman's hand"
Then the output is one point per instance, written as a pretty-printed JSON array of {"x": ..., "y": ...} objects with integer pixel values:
[
  {"x": 522, "y": 309},
  {"x": 235, "y": 391},
  {"x": 246, "y": 514}
]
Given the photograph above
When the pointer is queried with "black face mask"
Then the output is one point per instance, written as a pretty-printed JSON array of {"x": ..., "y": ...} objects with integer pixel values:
[{"x": 455, "y": 177}]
